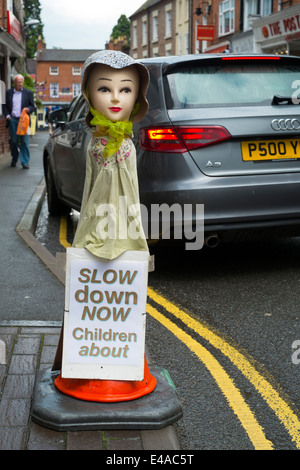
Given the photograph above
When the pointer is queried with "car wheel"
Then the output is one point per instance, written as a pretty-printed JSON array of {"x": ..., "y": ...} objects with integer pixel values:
[{"x": 55, "y": 206}]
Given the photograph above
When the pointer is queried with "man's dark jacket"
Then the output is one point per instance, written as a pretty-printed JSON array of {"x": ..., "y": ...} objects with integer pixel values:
[{"x": 27, "y": 101}]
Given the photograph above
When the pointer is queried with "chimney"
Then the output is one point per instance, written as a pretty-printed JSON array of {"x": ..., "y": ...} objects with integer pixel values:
[{"x": 40, "y": 44}]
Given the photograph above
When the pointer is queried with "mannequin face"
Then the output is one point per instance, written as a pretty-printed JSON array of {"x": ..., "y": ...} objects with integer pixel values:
[{"x": 113, "y": 92}]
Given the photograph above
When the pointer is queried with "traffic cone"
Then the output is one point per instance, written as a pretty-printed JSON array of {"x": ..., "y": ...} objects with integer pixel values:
[{"x": 107, "y": 390}]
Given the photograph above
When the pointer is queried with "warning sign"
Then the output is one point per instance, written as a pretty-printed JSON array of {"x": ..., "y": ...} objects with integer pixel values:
[{"x": 104, "y": 321}]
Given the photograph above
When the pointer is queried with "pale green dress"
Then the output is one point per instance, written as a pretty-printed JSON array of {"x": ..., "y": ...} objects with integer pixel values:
[{"x": 110, "y": 220}]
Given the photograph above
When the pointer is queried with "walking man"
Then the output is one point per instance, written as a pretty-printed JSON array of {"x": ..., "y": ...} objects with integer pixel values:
[
  {"x": 50, "y": 127},
  {"x": 18, "y": 98}
]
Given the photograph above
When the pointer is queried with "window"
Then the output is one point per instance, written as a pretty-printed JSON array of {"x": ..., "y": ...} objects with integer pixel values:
[
  {"x": 144, "y": 30},
  {"x": 187, "y": 10},
  {"x": 179, "y": 44},
  {"x": 230, "y": 83},
  {"x": 226, "y": 17},
  {"x": 254, "y": 9},
  {"x": 168, "y": 25},
  {"x": 155, "y": 52},
  {"x": 76, "y": 89},
  {"x": 134, "y": 35},
  {"x": 54, "y": 90},
  {"x": 76, "y": 70},
  {"x": 168, "y": 49},
  {"x": 202, "y": 45},
  {"x": 53, "y": 70},
  {"x": 266, "y": 7},
  {"x": 250, "y": 11},
  {"x": 186, "y": 42},
  {"x": 155, "y": 26},
  {"x": 179, "y": 11}
]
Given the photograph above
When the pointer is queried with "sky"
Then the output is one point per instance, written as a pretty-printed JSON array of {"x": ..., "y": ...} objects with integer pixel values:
[{"x": 82, "y": 24}]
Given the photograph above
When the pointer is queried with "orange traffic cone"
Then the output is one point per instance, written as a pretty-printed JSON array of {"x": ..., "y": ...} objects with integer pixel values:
[{"x": 107, "y": 390}]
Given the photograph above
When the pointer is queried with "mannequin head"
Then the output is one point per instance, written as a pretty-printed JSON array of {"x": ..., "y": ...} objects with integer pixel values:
[
  {"x": 113, "y": 92},
  {"x": 115, "y": 61}
]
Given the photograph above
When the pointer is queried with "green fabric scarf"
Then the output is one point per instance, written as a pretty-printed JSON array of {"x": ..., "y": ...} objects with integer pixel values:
[{"x": 117, "y": 131}]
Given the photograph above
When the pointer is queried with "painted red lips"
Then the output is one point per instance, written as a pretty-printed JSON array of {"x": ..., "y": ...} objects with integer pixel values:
[{"x": 115, "y": 110}]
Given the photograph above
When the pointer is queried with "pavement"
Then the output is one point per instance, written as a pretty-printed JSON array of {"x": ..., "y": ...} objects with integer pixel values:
[{"x": 31, "y": 308}]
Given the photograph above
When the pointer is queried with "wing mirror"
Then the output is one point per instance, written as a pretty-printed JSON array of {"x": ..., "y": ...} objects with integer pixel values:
[{"x": 58, "y": 117}]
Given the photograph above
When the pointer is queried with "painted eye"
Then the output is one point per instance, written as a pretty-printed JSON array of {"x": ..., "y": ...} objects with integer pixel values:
[{"x": 103, "y": 89}]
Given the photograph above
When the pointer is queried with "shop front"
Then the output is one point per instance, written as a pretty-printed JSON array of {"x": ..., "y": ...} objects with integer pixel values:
[
  {"x": 11, "y": 49},
  {"x": 278, "y": 33}
]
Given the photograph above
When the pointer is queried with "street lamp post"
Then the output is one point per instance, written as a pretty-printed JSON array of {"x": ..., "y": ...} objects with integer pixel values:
[{"x": 31, "y": 22}]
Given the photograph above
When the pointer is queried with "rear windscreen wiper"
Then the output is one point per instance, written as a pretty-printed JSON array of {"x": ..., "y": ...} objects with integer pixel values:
[{"x": 277, "y": 99}]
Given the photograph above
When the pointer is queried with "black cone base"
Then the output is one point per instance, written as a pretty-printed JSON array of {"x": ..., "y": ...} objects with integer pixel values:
[{"x": 55, "y": 410}]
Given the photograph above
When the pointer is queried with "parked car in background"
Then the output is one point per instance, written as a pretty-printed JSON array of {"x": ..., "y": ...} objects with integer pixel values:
[{"x": 222, "y": 131}]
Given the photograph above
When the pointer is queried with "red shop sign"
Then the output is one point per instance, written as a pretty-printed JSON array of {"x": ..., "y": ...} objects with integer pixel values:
[
  {"x": 13, "y": 26},
  {"x": 205, "y": 32}
]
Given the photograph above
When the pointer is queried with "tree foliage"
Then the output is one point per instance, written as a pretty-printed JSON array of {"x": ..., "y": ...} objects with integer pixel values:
[
  {"x": 122, "y": 28},
  {"x": 32, "y": 9},
  {"x": 29, "y": 83}
]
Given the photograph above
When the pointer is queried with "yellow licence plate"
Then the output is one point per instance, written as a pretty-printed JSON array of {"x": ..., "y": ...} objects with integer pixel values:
[{"x": 270, "y": 150}]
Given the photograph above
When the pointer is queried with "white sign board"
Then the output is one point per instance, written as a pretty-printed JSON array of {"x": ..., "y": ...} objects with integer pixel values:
[{"x": 105, "y": 316}]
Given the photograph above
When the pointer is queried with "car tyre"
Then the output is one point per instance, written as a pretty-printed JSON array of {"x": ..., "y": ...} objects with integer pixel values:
[{"x": 55, "y": 205}]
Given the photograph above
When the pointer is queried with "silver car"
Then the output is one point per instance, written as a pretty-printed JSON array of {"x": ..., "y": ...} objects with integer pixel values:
[{"x": 222, "y": 133}]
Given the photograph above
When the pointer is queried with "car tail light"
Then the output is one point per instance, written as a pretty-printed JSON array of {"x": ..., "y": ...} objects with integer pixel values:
[
  {"x": 252, "y": 58},
  {"x": 161, "y": 140},
  {"x": 180, "y": 139}
]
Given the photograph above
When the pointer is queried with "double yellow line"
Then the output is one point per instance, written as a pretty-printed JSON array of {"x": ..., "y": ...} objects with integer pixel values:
[
  {"x": 232, "y": 394},
  {"x": 281, "y": 409},
  {"x": 63, "y": 230}
]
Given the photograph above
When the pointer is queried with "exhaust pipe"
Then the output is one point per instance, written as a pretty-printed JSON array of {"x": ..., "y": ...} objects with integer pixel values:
[{"x": 212, "y": 241}]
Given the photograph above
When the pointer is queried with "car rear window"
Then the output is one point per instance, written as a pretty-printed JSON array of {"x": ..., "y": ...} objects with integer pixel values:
[{"x": 231, "y": 82}]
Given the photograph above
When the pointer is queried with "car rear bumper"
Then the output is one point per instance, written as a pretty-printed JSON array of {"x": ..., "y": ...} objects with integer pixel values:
[{"x": 253, "y": 203}]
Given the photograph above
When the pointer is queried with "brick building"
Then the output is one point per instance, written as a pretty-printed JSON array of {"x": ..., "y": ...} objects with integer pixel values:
[
  {"x": 153, "y": 29},
  {"x": 12, "y": 53},
  {"x": 119, "y": 44},
  {"x": 183, "y": 26},
  {"x": 280, "y": 32},
  {"x": 238, "y": 26},
  {"x": 241, "y": 26},
  {"x": 58, "y": 77}
]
